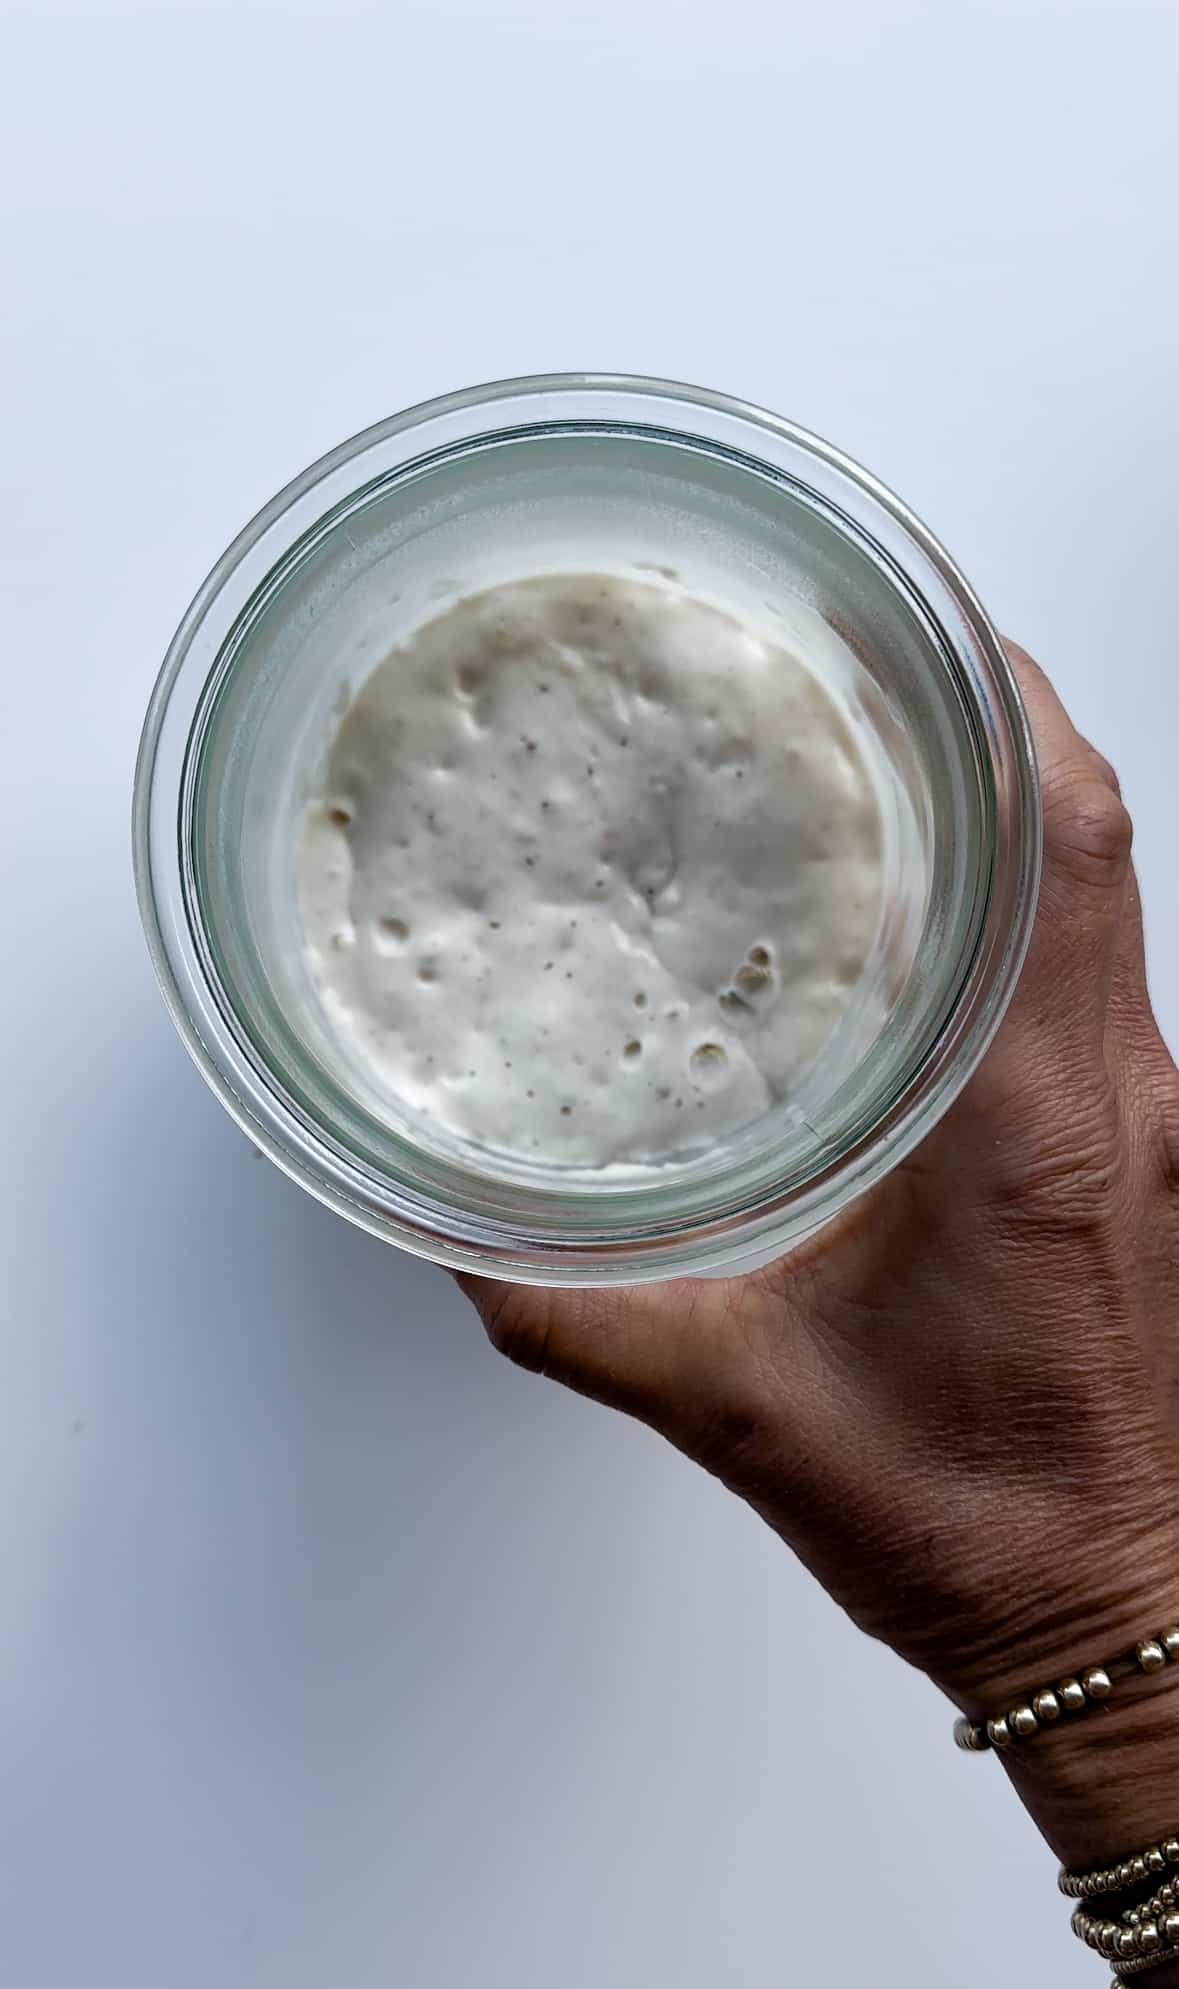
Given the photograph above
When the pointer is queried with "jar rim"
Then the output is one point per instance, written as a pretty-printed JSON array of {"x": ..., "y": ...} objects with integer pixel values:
[{"x": 512, "y": 1249}]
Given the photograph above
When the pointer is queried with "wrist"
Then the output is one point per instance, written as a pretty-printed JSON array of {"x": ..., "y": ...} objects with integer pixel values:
[
  {"x": 1031, "y": 1623},
  {"x": 1105, "y": 1789},
  {"x": 1102, "y": 1784}
]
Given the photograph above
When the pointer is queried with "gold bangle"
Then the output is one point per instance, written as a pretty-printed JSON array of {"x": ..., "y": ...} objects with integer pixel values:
[{"x": 1072, "y": 1695}]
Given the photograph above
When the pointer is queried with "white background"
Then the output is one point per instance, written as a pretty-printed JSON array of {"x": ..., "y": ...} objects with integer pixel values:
[{"x": 335, "y": 1654}]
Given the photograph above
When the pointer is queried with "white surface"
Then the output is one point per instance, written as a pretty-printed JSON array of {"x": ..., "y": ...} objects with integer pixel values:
[{"x": 333, "y": 1651}]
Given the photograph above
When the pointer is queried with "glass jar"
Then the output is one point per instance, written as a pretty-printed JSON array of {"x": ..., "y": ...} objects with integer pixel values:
[{"x": 589, "y": 472}]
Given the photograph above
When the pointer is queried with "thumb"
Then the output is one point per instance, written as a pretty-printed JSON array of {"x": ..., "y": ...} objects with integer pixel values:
[{"x": 689, "y": 1358}]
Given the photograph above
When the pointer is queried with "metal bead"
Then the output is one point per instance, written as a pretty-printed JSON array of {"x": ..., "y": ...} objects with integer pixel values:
[
  {"x": 1150, "y": 1655},
  {"x": 1071, "y": 1694},
  {"x": 1046, "y": 1706},
  {"x": 1022, "y": 1721},
  {"x": 1127, "y": 1943},
  {"x": 1108, "y": 1938},
  {"x": 969, "y": 1736},
  {"x": 1132, "y": 1917},
  {"x": 1096, "y": 1682},
  {"x": 998, "y": 1733},
  {"x": 1169, "y": 1639},
  {"x": 1154, "y": 1859},
  {"x": 1171, "y": 1928},
  {"x": 1123, "y": 1877},
  {"x": 1149, "y": 1937},
  {"x": 1167, "y": 1894},
  {"x": 1138, "y": 1869}
]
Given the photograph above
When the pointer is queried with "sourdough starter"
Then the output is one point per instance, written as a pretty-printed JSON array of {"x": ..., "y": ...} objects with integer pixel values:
[{"x": 591, "y": 872}]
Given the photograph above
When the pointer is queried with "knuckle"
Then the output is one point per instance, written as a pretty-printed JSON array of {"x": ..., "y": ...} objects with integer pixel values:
[
  {"x": 1106, "y": 773},
  {"x": 1065, "y": 1174},
  {"x": 1088, "y": 829}
]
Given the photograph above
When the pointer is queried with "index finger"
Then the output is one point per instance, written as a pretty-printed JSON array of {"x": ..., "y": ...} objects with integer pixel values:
[{"x": 1087, "y": 837}]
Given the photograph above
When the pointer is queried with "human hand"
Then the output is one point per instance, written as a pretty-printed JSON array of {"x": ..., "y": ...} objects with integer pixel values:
[{"x": 959, "y": 1403}]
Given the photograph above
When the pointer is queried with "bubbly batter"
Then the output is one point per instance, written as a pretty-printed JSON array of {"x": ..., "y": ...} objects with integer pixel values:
[{"x": 592, "y": 873}]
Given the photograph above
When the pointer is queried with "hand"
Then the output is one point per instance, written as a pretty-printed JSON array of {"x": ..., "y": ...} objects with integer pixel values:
[{"x": 959, "y": 1403}]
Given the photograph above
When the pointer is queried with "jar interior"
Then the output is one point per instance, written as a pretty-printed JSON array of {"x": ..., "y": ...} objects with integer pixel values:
[{"x": 585, "y": 498}]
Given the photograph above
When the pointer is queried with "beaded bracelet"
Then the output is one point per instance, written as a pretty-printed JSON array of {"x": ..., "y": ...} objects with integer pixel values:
[
  {"x": 1130, "y": 1940},
  {"x": 1147, "y": 1933},
  {"x": 1072, "y": 1695},
  {"x": 1128, "y": 1968},
  {"x": 1118, "y": 1878}
]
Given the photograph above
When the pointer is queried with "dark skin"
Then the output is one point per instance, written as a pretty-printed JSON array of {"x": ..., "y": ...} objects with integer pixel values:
[{"x": 959, "y": 1404}]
